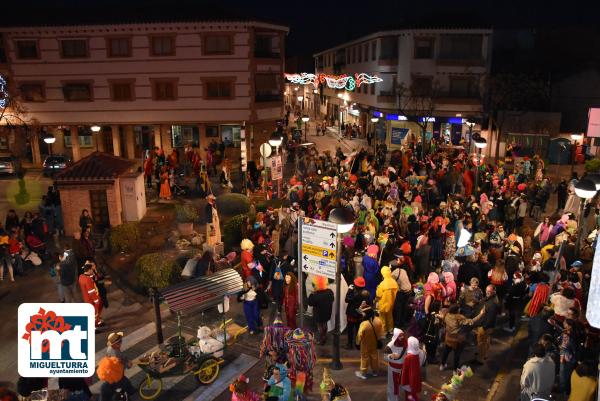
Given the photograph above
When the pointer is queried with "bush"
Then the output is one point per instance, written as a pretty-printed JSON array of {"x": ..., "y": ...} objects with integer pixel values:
[
  {"x": 232, "y": 231},
  {"x": 186, "y": 213},
  {"x": 155, "y": 271},
  {"x": 233, "y": 204},
  {"x": 592, "y": 165},
  {"x": 123, "y": 238}
]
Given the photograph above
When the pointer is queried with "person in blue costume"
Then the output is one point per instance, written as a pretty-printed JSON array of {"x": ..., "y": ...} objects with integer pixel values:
[{"x": 371, "y": 270}]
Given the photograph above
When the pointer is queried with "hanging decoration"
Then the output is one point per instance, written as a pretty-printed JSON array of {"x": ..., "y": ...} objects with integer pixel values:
[
  {"x": 347, "y": 82},
  {"x": 3, "y": 92}
]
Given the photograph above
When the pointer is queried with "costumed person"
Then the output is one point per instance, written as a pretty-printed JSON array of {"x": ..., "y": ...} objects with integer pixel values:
[
  {"x": 240, "y": 391},
  {"x": 165, "y": 186},
  {"x": 89, "y": 292},
  {"x": 274, "y": 337},
  {"x": 280, "y": 386},
  {"x": 250, "y": 298},
  {"x": 371, "y": 270},
  {"x": 368, "y": 338},
  {"x": 113, "y": 344},
  {"x": 213, "y": 229},
  {"x": 356, "y": 295},
  {"x": 322, "y": 301},
  {"x": 246, "y": 257},
  {"x": 301, "y": 356},
  {"x": 540, "y": 296},
  {"x": 331, "y": 391},
  {"x": 290, "y": 299},
  {"x": 112, "y": 373},
  {"x": 394, "y": 356},
  {"x": 272, "y": 359},
  {"x": 386, "y": 295},
  {"x": 411, "y": 370}
]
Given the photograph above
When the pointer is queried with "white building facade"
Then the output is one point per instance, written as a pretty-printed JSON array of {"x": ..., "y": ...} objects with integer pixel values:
[
  {"x": 446, "y": 69},
  {"x": 144, "y": 84}
]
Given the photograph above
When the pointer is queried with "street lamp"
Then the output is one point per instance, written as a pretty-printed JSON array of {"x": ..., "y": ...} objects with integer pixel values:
[
  {"x": 95, "y": 129},
  {"x": 470, "y": 124},
  {"x": 480, "y": 143},
  {"x": 49, "y": 139},
  {"x": 305, "y": 119},
  {"x": 374, "y": 120},
  {"x": 585, "y": 189},
  {"x": 575, "y": 138},
  {"x": 344, "y": 218}
]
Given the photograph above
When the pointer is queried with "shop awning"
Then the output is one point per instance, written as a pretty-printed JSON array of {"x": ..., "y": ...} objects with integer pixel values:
[{"x": 203, "y": 292}]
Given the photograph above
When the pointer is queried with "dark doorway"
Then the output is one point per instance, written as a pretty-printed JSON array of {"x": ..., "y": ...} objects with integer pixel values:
[
  {"x": 99, "y": 208},
  {"x": 107, "y": 136}
]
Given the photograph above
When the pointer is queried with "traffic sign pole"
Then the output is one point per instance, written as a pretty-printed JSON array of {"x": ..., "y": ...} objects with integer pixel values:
[
  {"x": 300, "y": 270},
  {"x": 336, "y": 362}
]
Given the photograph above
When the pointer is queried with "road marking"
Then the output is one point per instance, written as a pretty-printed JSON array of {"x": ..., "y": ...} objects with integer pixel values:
[
  {"x": 130, "y": 340},
  {"x": 208, "y": 393}
]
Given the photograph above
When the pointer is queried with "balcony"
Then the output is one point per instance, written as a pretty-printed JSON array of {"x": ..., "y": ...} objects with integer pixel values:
[
  {"x": 387, "y": 96},
  {"x": 388, "y": 61},
  {"x": 461, "y": 62},
  {"x": 268, "y": 97},
  {"x": 258, "y": 53}
]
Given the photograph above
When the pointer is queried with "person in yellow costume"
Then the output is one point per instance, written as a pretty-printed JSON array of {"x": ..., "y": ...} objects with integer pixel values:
[
  {"x": 369, "y": 332},
  {"x": 386, "y": 294}
]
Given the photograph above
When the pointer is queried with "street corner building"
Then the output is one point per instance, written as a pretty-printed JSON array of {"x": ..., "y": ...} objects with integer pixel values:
[{"x": 122, "y": 85}]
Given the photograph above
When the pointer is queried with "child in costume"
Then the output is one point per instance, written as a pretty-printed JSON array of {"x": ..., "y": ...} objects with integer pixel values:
[
  {"x": 240, "y": 392},
  {"x": 280, "y": 385}
]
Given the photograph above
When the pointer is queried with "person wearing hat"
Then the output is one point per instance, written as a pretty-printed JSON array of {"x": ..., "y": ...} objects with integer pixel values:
[
  {"x": 114, "y": 343},
  {"x": 354, "y": 298},
  {"x": 386, "y": 295},
  {"x": 240, "y": 391},
  {"x": 371, "y": 270},
  {"x": 213, "y": 229},
  {"x": 394, "y": 356},
  {"x": 400, "y": 268},
  {"x": 89, "y": 292},
  {"x": 368, "y": 338},
  {"x": 515, "y": 298}
]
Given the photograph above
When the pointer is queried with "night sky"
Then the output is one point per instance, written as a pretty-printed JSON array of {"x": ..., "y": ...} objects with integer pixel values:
[{"x": 316, "y": 25}]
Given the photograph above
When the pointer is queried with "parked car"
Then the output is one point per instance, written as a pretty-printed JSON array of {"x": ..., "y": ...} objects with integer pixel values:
[
  {"x": 55, "y": 164},
  {"x": 10, "y": 164}
]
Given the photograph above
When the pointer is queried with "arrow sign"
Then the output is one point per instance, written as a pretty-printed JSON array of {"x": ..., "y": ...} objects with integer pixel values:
[
  {"x": 332, "y": 235},
  {"x": 332, "y": 245},
  {"x": 318, "y": 247},
  {"x": 305, "y": 257}
]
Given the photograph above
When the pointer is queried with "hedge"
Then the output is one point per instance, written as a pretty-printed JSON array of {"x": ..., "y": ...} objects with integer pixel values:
[
  {"x": 123, "y": 238},
  {"x": 232, "y": 231},
  {"x": 186, "y": 213},
  {"x": 154, "y": 270}
]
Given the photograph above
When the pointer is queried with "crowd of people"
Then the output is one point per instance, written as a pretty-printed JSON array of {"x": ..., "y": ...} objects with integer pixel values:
[{"x": 432, "y": 258}]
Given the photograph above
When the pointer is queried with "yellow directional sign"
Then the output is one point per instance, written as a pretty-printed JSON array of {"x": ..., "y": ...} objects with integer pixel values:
[{"x": 318, "y": 247}]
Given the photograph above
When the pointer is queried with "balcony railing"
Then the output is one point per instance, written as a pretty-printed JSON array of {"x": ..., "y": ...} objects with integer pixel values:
[
  {"x": 268, "y": 97},
  {"x": 457, "y": 61},
  {"x": 266, "y": 54}
]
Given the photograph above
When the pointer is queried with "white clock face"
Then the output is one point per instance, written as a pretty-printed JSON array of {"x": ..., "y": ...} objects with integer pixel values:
[{"x": 3, "y": 92}]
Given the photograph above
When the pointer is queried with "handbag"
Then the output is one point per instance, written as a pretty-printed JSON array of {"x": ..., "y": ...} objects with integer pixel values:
[{"x": 379, "y": 342}]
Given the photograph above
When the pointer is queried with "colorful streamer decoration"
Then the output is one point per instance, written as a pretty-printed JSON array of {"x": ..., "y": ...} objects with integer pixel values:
[
  {"x": 3, "y": 92},
  {"x": 347, "y": 82}
]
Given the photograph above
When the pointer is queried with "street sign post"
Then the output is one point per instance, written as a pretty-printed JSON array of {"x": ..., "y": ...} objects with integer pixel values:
[{"x": 317, "y": 252}]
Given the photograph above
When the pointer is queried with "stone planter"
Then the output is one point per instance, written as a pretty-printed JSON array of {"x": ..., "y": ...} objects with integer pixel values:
[{"x": 185, "y": 228}]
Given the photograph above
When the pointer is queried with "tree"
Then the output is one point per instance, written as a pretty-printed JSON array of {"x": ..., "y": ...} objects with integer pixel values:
[
  {"x": 514, "y": 92},
  {"x": 418, "y": 102}
]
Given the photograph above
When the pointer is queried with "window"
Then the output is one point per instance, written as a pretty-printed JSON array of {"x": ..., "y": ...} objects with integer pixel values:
[
  {"x": 373, "y": 51},
  {"x": 266, "y": 46},
  {"x": 347, "y": 56},
  {"x": 372, "y": 89},
  {"x": 267, "y": 87},
  {"x": 2, "y": 51},
  {"x": 389, "y": 48},
  {"x": 77, "y": 92},
  {"x": 163, "y": 46},
  {"x": 3, "y": 142},
  {"x": 164, "y": 90},
  {"x": 32, "y": 92},
  {"x": 461, "y": 47},
  {"x": 182, "y": 135},
  {"x": 84, "y": 136},
  {"x": 359, "y": 51},
  {"x": 218, "y": 44},
  {"x": 122, "y": 91},
  {"x": 463, "y": 87},
  {"x": 27, "y": 49},
  {"x": 212, "y": 131},
  {"x": 73, "y": 48},
  {"x": 230, "y": 134},
  {"x": 218, "y": 89},
  {"x": 424, "y": 48},
  {"x": 119, "y": 47},
  {"x": 366, "y": 52},
  {"x": 421, "y": 86}
]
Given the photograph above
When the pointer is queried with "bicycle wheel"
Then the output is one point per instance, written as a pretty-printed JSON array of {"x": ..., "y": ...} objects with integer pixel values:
[
  {"x": 150, "y": 387},
  {"x": 208, "y": 371}
]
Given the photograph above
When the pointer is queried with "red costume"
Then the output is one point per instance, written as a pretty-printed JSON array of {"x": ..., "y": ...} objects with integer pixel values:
[
  {"x": 411, "y": 370},
  {"x": 468, "y": 182},
  {"x": 246, "y": 258},
  {"x": 89, "y": 293},
  {"x": 539, "y": 299},
  {"x": 290, "y": 304}
]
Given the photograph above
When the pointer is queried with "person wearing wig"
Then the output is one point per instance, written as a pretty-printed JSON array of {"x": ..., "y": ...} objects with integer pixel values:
[
  {"x": 290, "y": 299},
  {"x": 410, "y": 378},
  {"x": 240, "y": 391},
  {"x": 246, "y": 257},
  {"x": 112, "y": 373},
  {"x": 394, "y": 356}
]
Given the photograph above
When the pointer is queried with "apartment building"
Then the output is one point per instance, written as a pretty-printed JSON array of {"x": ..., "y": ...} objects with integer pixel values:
[
  {"x": 140, "y": 85},
  {"x": 441, "y": 70}
]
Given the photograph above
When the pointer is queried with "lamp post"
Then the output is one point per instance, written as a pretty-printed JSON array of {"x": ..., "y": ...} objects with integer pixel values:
[
  {"x": 374, "y": 120},
  {"x": 275, "y": 140},
  {"x": 301, "y": 100},
  {"x": 96, "y": 129},
  {"x": 49, "y": 139},
  {"x": 305, "y": 120},
  {"x": 585, "y": 189},
  {"x": 344, "y": 218},
  {"x": 470, "y": 124},
  {"x": 480, "y": 143},
  {"x": 575, "y": 138},
  {"x": 316, "y": 106},
  {"x": 340, "y": 96}
]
